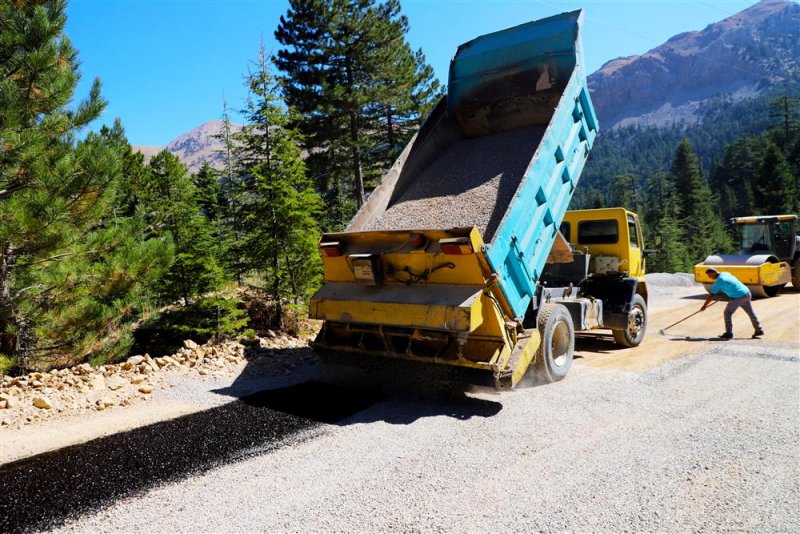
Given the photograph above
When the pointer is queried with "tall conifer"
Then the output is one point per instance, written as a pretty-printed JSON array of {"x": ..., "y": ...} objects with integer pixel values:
[
  {"x": 702, "y": 229},
  {"x": 72, "y": 268},
  {"x": 775, "y": 185},
  {"x": 279, "y": 207},
  {"x": 349, "y": 72},
  {"x": 172, "y": 203}
]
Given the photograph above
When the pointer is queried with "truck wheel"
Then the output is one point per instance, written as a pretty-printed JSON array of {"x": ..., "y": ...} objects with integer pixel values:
[
  {"x": 554, "y": 356},
  {"x": 637, "y": 324},
  {"x": 796, "y": 276}
]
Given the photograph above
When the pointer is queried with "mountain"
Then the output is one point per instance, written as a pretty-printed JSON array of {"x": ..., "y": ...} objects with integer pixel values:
[
  {"x": 195, "y": 147},
  {"x": 741, "y": 57}
]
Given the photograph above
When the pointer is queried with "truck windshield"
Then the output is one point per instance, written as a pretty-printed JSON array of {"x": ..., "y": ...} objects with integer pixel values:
[{"x": 756, "y": 238}]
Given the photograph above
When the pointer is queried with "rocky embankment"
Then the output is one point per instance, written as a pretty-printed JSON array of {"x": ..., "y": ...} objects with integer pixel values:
[{"x": 39, "y": 396}]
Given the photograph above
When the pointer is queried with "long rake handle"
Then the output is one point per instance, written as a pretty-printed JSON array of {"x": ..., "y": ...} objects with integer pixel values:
[{"x": 688, "y": 316}]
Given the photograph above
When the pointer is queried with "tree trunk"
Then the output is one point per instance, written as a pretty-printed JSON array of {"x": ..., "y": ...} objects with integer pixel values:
[
  {"x": 292, "y": 281},
  {"x": 356, "y": 158},
  {"x": 276, "y": 278},
  {"x": 389, "y": 129},
  {"x": 9, "y": 342}
]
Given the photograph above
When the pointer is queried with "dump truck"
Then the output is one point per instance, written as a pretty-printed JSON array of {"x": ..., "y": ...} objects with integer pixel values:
[
  {"x": 456, "y": 258},
  {"x": 768, "y": 258}
]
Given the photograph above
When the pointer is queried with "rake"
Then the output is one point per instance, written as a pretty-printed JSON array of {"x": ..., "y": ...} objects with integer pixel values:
[{"x": 663, "y": 330}]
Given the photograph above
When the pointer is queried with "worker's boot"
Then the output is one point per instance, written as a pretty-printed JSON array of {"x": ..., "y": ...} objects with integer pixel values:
[
  {"x": 726, "y": 335},
  {"x": 757, "y": 333}
]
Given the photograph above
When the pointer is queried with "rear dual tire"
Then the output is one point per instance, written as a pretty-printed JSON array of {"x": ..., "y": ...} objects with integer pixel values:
[{"x": 554, "y": 357}]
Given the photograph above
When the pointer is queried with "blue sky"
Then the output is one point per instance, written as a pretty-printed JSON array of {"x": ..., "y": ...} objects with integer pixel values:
[{"x": 166, "y": 65}]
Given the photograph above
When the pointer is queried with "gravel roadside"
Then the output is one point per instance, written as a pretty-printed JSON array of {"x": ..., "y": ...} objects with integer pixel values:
[
  {"x": 672, "y": 436},
  {"x": 707, "y": 442}
]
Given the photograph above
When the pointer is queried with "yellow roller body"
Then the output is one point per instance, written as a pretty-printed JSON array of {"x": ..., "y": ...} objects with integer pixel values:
[{"x": 763, "y": 274}]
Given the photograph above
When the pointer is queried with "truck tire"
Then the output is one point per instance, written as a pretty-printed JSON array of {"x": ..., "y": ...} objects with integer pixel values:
[
  {"x": 554, "y": 356},
  {"x": 634, "y": 334},
  {"x": 796, "y": 276}
]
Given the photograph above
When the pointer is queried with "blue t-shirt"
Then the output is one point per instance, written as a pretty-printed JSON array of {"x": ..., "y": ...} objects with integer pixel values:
[{"x": 728, "y": 284}]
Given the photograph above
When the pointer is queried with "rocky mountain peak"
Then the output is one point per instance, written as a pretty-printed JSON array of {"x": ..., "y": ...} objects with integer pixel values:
[
  {"x": 740, "y": 56},
  {"x": 195, "y": 147}
]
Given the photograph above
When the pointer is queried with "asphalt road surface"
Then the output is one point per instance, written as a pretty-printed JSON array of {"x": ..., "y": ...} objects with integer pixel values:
[{"x": 683, "y": 433}]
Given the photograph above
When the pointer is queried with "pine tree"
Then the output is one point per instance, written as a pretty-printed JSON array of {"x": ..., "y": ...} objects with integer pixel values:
[
  {"x": 775, "y": 186},
  {"x": 355, "y": 82},
  {"x": 72, "y": 269},
  {"x": 279, "y": 206},
  {"x": 624, "y": 191},
  {"x": 405, "y": 89},
  {"x": 210, "y": 198},
  {"x": 702, "y": 229},
  {"x": 661, "y": 225},
  {"x": 171, "y": 201},
  {"x": 228, "y": 178},
  {"x": 134, "y": 170},
  {"x": 787, "y": 109}
]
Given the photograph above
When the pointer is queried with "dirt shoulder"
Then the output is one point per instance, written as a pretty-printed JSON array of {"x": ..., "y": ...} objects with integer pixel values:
[{"x": 47, "y": 411}]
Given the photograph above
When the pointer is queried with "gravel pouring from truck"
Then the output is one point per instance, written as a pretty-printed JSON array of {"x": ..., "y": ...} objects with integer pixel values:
[{"x": 444, "y": 262}]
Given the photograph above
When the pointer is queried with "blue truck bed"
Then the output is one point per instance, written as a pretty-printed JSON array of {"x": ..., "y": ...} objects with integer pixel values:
[
  {"x": 517, "y": 126},
  {"x": 441, "y": 264}
]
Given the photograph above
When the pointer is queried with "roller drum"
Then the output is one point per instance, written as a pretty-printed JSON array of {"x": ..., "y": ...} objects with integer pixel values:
[
  {"x": 748, "y": 261},
  {"x": 740, "y": 259}
]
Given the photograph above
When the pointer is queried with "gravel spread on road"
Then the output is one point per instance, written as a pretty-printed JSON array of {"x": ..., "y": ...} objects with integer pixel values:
[
  {"x": 471, "y": 184},
  {"x": 707, "y": 442}
]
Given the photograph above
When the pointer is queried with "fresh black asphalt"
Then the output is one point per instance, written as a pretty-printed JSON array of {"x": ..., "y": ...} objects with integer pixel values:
[{"x": 46, "y": 490}]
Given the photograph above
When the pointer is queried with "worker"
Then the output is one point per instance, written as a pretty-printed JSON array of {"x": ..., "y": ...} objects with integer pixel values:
[{"x": 739, "y": 296}]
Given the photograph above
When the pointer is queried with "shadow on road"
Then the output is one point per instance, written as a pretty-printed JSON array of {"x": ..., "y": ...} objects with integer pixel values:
[
  {"x": 414, "y": 390},
  {"x": 698, "y": 296},
  {"x": 678, "y": 337},
  {"x": 47, "y": 490},
  {"x": 602, "y": 344}
]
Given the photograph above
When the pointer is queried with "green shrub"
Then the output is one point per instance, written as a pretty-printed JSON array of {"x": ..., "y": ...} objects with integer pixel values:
[
  {"x": 206, "y": 318},
  {"x": 7, "y": 364}
]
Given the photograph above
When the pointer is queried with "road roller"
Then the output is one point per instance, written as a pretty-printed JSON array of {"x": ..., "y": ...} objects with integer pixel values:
[{"x": 768, "y": 258}]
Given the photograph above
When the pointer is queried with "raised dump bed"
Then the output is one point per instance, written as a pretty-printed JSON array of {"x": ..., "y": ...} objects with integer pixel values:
[{"x": 441, "y": 264}]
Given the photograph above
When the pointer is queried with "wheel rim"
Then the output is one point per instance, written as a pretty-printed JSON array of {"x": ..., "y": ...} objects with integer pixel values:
[
  {"x": 636, "y": 322},
  {"x": 560, "y": 344}
]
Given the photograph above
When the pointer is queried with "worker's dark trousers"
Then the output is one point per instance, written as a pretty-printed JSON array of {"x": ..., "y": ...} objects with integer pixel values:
[{"x": 746, "y": 305}]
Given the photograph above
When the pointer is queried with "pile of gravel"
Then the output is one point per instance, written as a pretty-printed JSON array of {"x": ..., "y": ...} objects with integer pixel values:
[
  {"x": 471, "y": 184},
  {"x": 671, "y": 279}
]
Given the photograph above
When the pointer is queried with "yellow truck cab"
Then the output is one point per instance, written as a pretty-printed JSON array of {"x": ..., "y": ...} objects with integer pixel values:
[
  {"x": 612, "y": 236},
  {"x": 607, "y": 265}
]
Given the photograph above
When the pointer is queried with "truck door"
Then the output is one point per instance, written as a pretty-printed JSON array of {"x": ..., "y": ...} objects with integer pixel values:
[{"x": 635, "y": 252}]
